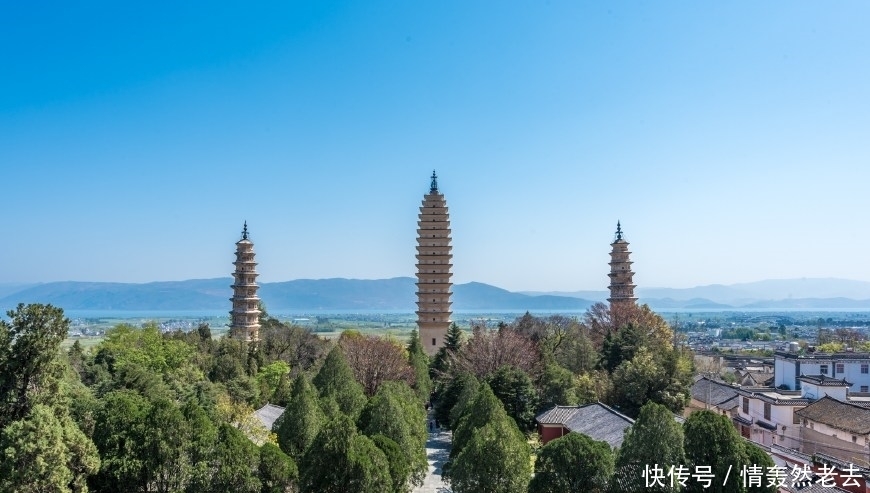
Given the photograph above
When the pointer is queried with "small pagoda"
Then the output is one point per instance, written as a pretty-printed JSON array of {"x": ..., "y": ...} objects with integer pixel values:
[
  {"x": 621, "y": 287},
  {"x": 433, "y": 269},
  {"x": 245, "y": 316}
]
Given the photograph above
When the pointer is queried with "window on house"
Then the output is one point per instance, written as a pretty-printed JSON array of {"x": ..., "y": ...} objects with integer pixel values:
[
  {"x": 854, "y": 439},
  {"x": 865, "y": 368},
  {"x": 767, "y": 411},
  {"x": 841, "y": 368},
  {"x": 746, "y": 405},
  {"x": 823, "y": 369},
  {"x": 864, "y": 388},
  {"x": 433, "y": 341}
]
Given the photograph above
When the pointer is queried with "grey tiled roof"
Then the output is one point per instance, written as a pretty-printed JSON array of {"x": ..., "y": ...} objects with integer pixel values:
[
  {"x": 597, "y": 421},
  {"x": 600, "y": 422},
  {"x": 268, "y": 414},
  {"x": 558, "y": 415},
  {"x": 824, "y": 381},
  {"x": 715, "y": 393},
  {"x": 838, "y": 414}
]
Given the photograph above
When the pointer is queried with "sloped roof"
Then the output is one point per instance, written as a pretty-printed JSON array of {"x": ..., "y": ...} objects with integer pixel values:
[
  {"x": 761, "y": 378},
  {"x": 824, "y": 381},
  {"x": 597, "y": 421},
  {"x": 268, "y": 414},
  {"x": 600, "y": 422},
  {"x": 838, "y": 414},
  {"x": 712, "y": 392},
  {"x": 558, "y": 415}
]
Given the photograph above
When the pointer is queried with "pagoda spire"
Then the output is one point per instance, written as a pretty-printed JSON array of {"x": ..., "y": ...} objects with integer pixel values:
[
  {"x": 434, "y": 286},
  {"x": 621, "y": 276},
  {"x": 433, "y": 186},
  {"x": 245, "y": 315}
]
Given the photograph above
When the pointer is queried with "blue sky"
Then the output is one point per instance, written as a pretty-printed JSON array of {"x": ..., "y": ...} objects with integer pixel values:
[{"x": 731, "y": 139}]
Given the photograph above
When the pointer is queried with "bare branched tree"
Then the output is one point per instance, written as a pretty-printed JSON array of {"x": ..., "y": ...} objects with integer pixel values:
[
  {"x": 375, "y": 360},
  {"x": 488, "y": 350}
]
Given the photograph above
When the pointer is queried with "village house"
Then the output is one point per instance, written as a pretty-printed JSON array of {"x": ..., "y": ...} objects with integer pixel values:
[
  {"x": 789, "y": 366},
  {"x": 597, "y": 421}
]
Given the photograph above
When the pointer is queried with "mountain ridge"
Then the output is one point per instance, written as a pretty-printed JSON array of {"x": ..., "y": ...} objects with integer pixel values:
[{"x": 399, "y": 293}]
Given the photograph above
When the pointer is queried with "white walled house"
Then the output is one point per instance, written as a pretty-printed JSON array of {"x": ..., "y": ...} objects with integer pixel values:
[
  {"x": 849, "y": 366},
  {"x": 767, "y": 416},
  {"x": 836, "y": 428}
]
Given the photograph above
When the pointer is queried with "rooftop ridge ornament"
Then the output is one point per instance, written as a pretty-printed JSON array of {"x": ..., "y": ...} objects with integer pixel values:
[
  {"x": 245, "y": 231},
  {"x": 618, "y": 231},
  {"x": 433, "y": 187}
]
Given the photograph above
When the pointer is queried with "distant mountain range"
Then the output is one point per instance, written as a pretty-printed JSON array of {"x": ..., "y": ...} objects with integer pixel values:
[
  {"x": 399, "y": 294},
  {"x": 302, "y": 294},
  {"x": 789, "y": 294}
]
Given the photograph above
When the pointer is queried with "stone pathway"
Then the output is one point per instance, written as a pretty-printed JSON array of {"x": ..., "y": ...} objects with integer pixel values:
[{"x": 438, "y": 451}]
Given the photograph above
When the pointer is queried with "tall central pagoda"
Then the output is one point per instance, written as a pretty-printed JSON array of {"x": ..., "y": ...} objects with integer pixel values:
[
  {"x": 621, "y": 287},
  {"x": 433, "y": 269},
  {"x": 245, "y": 316}
]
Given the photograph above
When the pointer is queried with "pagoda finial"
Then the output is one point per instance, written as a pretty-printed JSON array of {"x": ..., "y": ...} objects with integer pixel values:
[
  {"x": 618, "y": 231},
  {"x": 245, "y": 231},
  {"x": 433, "y": 188}
]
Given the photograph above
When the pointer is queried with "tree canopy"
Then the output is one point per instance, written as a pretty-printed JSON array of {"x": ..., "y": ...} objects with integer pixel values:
[{"x": 573, "y": 462}]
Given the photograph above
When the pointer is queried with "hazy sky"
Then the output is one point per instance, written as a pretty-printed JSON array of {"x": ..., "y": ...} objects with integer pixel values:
[{"x": 732, "y": 139}]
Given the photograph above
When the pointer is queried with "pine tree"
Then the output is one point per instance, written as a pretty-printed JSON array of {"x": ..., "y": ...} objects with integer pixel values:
[
  {"x": 494, "y": 460},
  {"x": 420, "y": 364},
  {"x": 335, "y": 380},
  {"x": 301, "y": 421},
  {"x": 236, "y": 463},
  {"x": 655, "y": 438},
  {"x": 278, "y": 472},
  {"x": 573, "y": 462},
  {"x": 396, "y": 413},
  {"x": 711, "y": 440},
  {"x": 342, "y": 461},
  {"x": 443, "y": 358}
]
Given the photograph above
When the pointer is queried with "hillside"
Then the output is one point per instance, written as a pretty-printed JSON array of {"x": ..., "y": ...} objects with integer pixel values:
[{"x": 302, "y": 294}]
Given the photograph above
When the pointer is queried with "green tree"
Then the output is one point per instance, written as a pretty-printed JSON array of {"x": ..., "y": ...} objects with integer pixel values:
[
  {"x": 556, "y": 387},
  {"x": 202, "y": 435},
  {"x": 449, "y": 395},
  {"x": 419, "y": 363},
  {"x": 756, "y": 457},
  {"x": 42, "y": 453},
  {"x": 655, "y": 438},
  {"x": 342, "y": 461},
  {"x": 711, "y": 440},
  {"x": 236, "y": 463},
  {"x": 29, "y": 344},
  {"x": 577, "y": 353},
  {"x": 278, "y": 472},
  {"x": 301, "y": 421},
  {"x": 486, "y": 409},
  {"x": 465, "y": 401},
  {"x": 335, "y": 380},
  {"x": 446, "y": 353},
  {"x": 396, "y": 413},
  {"x": 165, "y": 447},
  {"x": 399, "y": 462},
  {"x": 643, "y": 378},
  {"x": 573, "y": 462},
  {"x": 119, "y": 436},
  {"x": 515, "y": 390},
  {"x": 269, "y": 378},
  {"x": 494, "y": 460}
]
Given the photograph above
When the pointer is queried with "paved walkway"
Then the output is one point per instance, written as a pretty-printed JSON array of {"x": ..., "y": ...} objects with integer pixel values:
[{"x": 438, "y": 451}]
